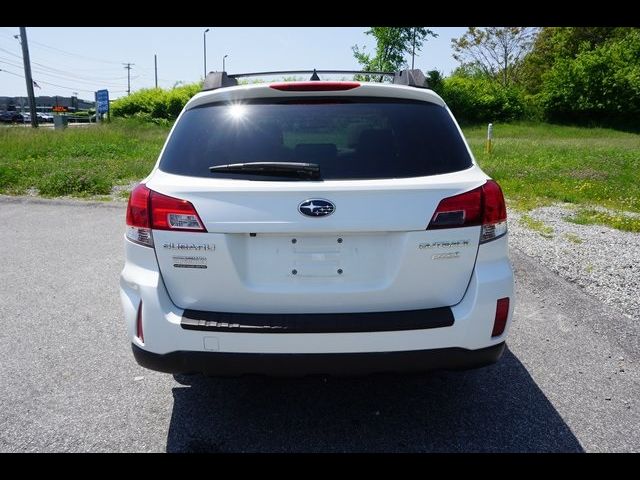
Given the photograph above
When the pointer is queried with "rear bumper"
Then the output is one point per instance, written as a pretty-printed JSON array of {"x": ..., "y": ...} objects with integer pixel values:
[
  {"x": 297, "y": 364},
  {"x": 467, "y": 327}
]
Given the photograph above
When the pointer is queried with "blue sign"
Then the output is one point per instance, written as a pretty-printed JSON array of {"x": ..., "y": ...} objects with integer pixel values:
[{"x": 102, "y": 101}]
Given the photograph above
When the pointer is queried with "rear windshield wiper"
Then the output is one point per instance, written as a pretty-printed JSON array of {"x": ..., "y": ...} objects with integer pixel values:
[{"x": 280, "y": 169}]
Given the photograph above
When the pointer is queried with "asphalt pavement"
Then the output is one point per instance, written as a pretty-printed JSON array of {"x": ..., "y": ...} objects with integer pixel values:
[{"x": 568, "y": 381}]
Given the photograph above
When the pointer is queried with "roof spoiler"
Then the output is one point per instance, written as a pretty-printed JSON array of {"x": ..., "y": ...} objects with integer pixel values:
[{"x": 411, "y": 78}]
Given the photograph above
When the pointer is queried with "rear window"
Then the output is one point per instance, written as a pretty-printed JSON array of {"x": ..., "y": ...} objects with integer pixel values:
[{"x": 368, "y": 138}]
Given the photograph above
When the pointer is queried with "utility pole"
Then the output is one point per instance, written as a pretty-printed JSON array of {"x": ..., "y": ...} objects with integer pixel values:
[
  {"x": 27, "y": 76},
  {"x": 127, "y": 66},
  {"x": 204, "y": 43},
  {"x": 155, "y": 63},
  {"x": 413, "y": 49}
]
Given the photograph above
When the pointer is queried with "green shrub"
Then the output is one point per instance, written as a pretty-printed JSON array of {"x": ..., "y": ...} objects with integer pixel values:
[
  {"x": 155, "y": 104},
  {"x": 74, "y": 182},
  {"x": 482, "y": 100},
  {"x": 598, "y": 86}
]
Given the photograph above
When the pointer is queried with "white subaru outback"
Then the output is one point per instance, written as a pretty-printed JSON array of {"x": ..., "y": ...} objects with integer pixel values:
[{"x": 316, "y": 227}]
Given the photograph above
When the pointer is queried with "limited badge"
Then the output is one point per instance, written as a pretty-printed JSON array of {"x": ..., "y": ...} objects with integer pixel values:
[
  {"x": 189, "y": 262},
  {"x": 445, "y": 256}
]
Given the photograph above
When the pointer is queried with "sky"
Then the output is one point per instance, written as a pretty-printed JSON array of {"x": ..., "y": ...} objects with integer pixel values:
[{"x": 65, "y": 60}]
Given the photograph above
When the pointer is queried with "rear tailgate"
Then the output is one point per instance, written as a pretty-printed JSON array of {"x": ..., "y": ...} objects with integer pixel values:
[{"x": 261, "y": 255}]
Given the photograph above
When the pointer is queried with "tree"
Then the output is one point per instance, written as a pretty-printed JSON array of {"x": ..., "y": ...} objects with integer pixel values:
[
  {"x": 392, "y": 43},
  {"x": 435, "y": 80},
  {"x": 599, "y": 85},
  {"x": 556, "y": 43},
  {"x": 497, "y": 51}
]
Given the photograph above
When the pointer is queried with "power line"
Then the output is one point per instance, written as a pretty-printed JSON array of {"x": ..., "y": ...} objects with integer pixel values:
[
  {"x": 70, "y": 72},
  {"x": 74, "y": 54},
  {"x": 67, "y": 77},
  {"x": 66, "y": 71},
  {"x": 11, "y": 73},
  {"x": 84, "y": 77},
  {"x": 9, "y": 61},
  {"x": 73, "y": 89},
  {"x": 65, "y": 74},
  {"x": 10, "y": 53}
]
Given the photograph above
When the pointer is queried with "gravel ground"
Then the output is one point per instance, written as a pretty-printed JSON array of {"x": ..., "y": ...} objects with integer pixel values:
[{"x": 602, "y": 260}]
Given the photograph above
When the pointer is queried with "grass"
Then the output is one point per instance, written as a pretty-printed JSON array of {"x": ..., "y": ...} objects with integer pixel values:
[
  {"x": 589, "y": 216},
  {"x": 538, "y": 164},
  {"x": 79, "y": 161},
  {"x": 536, "y": 225}
]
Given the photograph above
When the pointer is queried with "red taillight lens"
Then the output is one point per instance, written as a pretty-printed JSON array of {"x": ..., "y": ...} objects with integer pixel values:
[
  {"x": 138, "y": 208},
  {"x": 481, "y": 206},
  {"x": 494, "y": 218},
  {"x": 139, "y": 332},
  {"x": 138, "y": 217},
  {"x": 502, "y": 312},
  {"x": 495, "y": 210},
  {"x": 464, "y": 210},
  {"x": 168, "y": 213},
  {"x": 151, "y": 210},
  {"x": 317, "y": 86}
]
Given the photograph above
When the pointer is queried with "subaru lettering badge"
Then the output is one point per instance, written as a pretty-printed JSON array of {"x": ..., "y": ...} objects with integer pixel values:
[{"x": 316, "y": 207}]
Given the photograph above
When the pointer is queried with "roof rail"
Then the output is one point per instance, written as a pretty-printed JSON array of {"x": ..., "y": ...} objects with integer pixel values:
[
  {"x": 412, "y": 78},
  {"x": 215, "y": 80}
]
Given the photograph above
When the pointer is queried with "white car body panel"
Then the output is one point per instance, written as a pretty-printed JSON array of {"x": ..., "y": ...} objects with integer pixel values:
[{"x": 386, "y": 257}]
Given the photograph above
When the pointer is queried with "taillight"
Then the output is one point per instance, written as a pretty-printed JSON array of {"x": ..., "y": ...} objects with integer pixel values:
[
  {"x": 138, "y": 218},
  {"x": 168, "y": 213},
  {"x": 464, "y": 210},
  {"x": 502, "y": 312},
  {"x": 312, "y": 86},
  {"x": 494, "y": 218},
  {"x": 481, "y": 206},
  {"x": 149, "y": 210}
]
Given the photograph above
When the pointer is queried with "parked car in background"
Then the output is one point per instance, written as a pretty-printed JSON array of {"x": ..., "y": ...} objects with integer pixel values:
[
  {"x": 45, "y": 117},
  {"x": 11, "y": 117}
]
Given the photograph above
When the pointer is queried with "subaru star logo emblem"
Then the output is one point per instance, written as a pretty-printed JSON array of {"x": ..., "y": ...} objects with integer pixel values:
[{"x": 316, "y": 207}]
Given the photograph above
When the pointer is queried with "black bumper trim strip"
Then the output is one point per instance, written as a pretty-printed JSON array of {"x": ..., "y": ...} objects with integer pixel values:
[{"x": 318, "y": 322}]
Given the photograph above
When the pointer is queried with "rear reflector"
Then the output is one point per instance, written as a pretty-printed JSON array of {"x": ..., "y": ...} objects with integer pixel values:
[
  {"x": 139, "y": 332},
  {"x": 502, "y": 312},
  {"x": 481, "y": 206},
  {"x": 317, "y": 86},
  {"x": 149, "y": 210}
]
